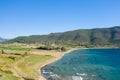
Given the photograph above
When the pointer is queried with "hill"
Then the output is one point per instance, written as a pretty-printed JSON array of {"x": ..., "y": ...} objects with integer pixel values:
[
  {"x": 97, "y": 36},
  {"x": 2, "y": 39}
]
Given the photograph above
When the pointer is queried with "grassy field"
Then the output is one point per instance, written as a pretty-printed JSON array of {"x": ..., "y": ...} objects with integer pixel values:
[{"x": 16, "y": 63}]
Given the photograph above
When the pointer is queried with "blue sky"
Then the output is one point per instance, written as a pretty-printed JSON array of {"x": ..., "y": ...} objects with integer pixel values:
[{"x": 34, "y": 17}]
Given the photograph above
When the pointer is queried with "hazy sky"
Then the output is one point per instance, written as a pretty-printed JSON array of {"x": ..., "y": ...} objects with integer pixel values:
[{"x": 31, "y": 17}]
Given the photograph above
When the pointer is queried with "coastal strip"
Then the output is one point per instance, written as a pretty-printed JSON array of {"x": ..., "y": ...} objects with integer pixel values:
[{"x": 57, "y": 55}]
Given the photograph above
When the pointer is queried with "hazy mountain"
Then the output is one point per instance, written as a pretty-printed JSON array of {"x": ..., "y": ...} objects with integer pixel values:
[
  {"x": 2, "y": 39},
  {"x": 92, "y": 36}
]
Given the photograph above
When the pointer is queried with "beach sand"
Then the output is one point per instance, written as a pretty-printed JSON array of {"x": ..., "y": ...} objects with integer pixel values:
[{"x": 57, "y": 55}]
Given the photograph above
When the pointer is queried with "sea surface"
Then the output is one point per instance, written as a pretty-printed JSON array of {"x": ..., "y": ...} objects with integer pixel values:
[{"x": 85, "y": 64}]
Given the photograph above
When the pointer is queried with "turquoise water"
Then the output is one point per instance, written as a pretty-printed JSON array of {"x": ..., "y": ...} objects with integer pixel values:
[{"x": 86, "y": 64}]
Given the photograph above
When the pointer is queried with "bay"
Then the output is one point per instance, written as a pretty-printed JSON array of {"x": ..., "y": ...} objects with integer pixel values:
[{"x": 85, "y": 64}]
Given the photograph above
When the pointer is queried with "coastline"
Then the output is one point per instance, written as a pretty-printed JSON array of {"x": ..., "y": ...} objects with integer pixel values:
[
  {"x": 61, "y": 54},
  {"x": 54, "y": 60}
]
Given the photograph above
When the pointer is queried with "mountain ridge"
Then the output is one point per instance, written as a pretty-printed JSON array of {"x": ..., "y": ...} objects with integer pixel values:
[{"x": 91, "y": 36}]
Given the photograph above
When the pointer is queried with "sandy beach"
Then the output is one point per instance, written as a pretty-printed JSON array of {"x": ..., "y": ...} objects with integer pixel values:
[{"x": 55, "y": 54}]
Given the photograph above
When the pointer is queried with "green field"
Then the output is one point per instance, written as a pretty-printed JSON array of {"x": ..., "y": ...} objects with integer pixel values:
[{"x": 16, "y": 63}]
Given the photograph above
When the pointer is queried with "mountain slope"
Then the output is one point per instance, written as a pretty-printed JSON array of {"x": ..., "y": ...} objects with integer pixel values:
[
  {"x": 92, "y": 36},
  {"x": 1, "y": 39}
]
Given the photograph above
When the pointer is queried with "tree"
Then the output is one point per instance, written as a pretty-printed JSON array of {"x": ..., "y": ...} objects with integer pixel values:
[
  {"x": 63, "y": 49},
  {"x": 2, "y": 51}
]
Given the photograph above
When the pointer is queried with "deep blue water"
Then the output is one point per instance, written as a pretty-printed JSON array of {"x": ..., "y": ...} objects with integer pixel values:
[{"x": 86, "y": 64}]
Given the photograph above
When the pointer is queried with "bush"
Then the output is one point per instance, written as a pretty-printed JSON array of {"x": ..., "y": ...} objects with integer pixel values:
[{"x": 52, "y": 48}]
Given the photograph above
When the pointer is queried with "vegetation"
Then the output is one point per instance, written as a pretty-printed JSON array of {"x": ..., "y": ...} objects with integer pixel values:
[
  {"x": 83, "y": 37},
  {"x": 58, "y": 48},
  {"x": 20, "y": 63},
  {"x": 16, "y": 62},
  {"x": 14, "y": 48}
]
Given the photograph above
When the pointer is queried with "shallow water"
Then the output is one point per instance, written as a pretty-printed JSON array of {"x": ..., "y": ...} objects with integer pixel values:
[{"x": 86, "y": 64}]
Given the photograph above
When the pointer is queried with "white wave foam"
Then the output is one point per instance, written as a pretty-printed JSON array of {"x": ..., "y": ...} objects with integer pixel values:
[
  {"x": 45, "y": 72},
  {"x": 81, "y": 74},
  {"x": 55, "y": 75},
  {"x": 77, "y": 78}
]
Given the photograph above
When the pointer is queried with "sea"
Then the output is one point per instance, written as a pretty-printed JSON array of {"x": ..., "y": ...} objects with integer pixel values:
[{"x": 85, "y": 64}]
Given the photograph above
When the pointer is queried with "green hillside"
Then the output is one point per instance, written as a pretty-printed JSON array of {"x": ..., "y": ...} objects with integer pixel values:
[{"x": 101, "y": 36}]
